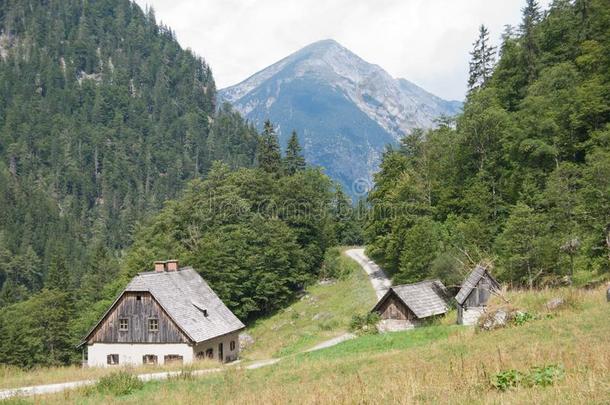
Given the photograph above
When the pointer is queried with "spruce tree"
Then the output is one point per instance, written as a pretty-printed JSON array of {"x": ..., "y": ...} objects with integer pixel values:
[
  {"x": 294, "y": 160},
  {"x": 483, "y": 60},
  {"x": 268, "y": 154},
  {"x": 531, "y": 17}
]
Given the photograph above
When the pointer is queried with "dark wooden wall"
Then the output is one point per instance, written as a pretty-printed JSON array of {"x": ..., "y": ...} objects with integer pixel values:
[
  {"x": 138, "y": 312},
  {"x": 393, "y": 308},
  {"x": 480, "y": 295}
]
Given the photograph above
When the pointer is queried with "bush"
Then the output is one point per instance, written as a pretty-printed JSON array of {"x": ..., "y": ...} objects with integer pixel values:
[
  {"x": 119, "y": 383},
  {"x": 545, "y": 376},
  {"x": 507, "y": 379},
  {"x": 521, "y": 318},
  {"x": 333, "y": 266},
  {"x": 365, "y": 324},
  {"x": 542, "y": 376}
]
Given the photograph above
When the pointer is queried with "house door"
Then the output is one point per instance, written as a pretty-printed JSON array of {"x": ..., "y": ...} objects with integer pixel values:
[{"x": 221, "y": 353}]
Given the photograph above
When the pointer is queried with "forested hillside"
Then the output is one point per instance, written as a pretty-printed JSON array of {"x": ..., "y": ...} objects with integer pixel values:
[
  {"x": 522, "y": 178},
  {"x": 103, "y": 116}
]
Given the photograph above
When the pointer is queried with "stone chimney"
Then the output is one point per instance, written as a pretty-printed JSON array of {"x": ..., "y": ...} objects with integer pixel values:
[
  {"x": 160, "y": 266},
  {"x": 172, "y": 265}
]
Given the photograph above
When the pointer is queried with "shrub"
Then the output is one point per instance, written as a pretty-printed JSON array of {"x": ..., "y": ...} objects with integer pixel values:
[
  {"x": 365, "y": 324},
  {"x": 119, "y": 383},
  {"x": 333, "y": 267},
  {"x": 521, "y": 318},
  {"x": 542, "y": 376},
  {"x": 507, "y": 379},
  {"x": 546, "y": 375}
]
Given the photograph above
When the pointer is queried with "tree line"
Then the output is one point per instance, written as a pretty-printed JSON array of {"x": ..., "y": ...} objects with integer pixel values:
[{"x": 522, "y": 177}]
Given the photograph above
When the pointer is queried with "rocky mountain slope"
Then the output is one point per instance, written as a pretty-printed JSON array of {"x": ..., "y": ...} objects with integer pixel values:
[{"x": 345, "y": 109}]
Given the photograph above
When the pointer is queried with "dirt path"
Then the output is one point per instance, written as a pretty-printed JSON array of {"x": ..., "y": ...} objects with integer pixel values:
[
  {"x": 381, "y": 283},
  {"x": 59, "y": 387},
  {"x": 378, "y": 279},
  {"x": 331, "y": 342}
]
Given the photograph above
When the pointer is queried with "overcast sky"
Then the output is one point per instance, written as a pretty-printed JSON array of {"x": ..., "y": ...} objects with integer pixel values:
[{"x": 424, "y": 41}]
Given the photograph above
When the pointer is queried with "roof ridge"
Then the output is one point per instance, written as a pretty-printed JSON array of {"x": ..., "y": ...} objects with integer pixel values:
[
  {"x": 152, "y": 272},
  {"x": 419, "y": 282}
]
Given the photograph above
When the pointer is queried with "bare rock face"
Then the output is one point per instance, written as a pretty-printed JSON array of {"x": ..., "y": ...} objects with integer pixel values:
[
  {"x": 345, "y": 110},
  {"x": 555, "y": 303},
  {"x": 245, "y": 340},
  {"x": 494, "y": 320}
]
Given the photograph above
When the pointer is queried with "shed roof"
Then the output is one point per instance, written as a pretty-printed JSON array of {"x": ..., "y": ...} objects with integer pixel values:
[
  {"x": 426, "y": 298},
  {"x": 184, "y": 295},
  {"x": 471, "y": 282}
]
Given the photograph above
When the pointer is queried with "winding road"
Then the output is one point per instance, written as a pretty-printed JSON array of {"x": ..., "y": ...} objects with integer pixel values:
[{"x": 380, "y": 283}]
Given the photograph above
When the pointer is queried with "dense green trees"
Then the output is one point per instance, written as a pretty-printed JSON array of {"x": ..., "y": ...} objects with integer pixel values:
[
  {"x": 522, "y": 176},
  {"x": 103, "y": 117},
  {"x": 255, "y": 236}
]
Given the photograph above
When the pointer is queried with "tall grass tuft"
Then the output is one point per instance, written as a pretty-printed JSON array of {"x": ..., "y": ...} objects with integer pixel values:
[{"x": 119, "y": 383}]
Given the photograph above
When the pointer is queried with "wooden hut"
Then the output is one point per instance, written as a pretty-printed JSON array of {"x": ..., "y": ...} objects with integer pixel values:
[
  {"x": 405, "y": 306},
  {"x": 166, "y": 315},
  {"x": 474, "y": 295}
]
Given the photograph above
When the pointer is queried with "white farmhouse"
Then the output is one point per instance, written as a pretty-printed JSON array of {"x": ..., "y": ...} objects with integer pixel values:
[{"x": 166, "y": 315}]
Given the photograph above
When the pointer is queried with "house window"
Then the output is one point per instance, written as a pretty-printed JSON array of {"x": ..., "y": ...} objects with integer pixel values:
[
  {"x": 172, "y": 358},
  {"x": 138, "y": 298},
  {"x": 153, "y": 325},
  {"x": 232, "y": 345},
  {"x": 112, "y": 359},
  {"x": 123, "y": 324},
  {"x": 209, "y": 353},
  {"x": 149, "y": 359}
]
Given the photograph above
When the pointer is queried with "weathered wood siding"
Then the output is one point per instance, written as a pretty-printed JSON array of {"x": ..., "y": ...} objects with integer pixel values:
[
  {"x": 394, "y": 308},
  {"x": 138, "y": 312},
  {"x": 480, "y": 295}
]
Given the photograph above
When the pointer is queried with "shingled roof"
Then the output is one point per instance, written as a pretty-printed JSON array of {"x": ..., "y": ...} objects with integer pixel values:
[
  {"x": 426, "y": 298},
  {"x": 471, "y": 282},
  {"x": 184, "y": 295}
]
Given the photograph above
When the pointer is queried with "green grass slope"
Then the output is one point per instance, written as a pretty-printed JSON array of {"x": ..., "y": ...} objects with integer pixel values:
[{"x": 324, "y": 312}]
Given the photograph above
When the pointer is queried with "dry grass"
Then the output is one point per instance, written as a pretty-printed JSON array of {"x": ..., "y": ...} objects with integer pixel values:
[
  {"x": 11, "y": 377},
  {"x": 452, "y": 367}
]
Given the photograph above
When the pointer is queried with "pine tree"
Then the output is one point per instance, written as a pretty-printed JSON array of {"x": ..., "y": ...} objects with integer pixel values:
[
  {"x": 294, "y": 160},
  {"x": 531, "y": 17},
  {"x": 269, "y": 156},
  {"x": 483, "y": 60}
]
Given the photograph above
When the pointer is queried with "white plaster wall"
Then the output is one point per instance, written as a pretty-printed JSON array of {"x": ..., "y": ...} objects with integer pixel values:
[
  {"x": 229, "y": 355},
  {"x": 471, "y": 316},
  {"x": 132, "y": 353}
]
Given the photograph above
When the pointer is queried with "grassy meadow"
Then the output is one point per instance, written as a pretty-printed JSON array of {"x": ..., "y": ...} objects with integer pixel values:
[
  {"x": 12, "y": 377},
  {"x": 324, "y": 312},
  {"x": 439, "y": 363}
]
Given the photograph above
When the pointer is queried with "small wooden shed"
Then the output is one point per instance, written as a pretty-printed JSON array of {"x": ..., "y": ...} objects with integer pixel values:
[
  {"x": 405, "y": 306},
  {"x": 474, "y": 295}
]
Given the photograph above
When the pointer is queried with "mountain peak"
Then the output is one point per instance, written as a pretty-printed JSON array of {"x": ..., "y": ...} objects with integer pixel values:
[{"x": 345, "y": 109}]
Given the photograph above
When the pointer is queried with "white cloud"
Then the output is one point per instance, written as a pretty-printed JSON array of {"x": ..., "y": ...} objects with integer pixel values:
[{"x": 425, "y": 41}]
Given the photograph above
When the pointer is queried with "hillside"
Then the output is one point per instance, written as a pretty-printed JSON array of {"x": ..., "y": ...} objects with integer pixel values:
[
  {"x": 430, "y": 364},
  {"x": 321, "y": 313},
  {"x": 523, "y": 178},
  {"x": 103, "y": 117},
  {"x": 345, "y": 109}
]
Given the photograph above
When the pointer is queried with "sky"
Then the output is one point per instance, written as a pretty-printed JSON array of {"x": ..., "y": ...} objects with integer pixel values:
[{"x": 424, "y": 41}]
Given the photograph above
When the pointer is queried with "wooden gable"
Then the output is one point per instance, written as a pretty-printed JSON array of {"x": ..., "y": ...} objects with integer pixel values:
[
  {"x": 392, "y": 307},
  {"x": 137, "y": 308},
  {"x": 481, "y": 293}
]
